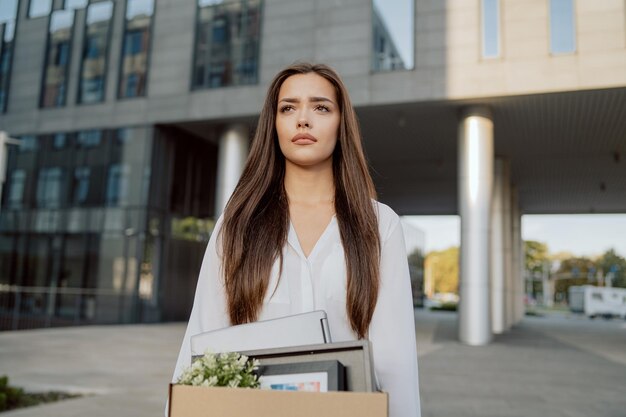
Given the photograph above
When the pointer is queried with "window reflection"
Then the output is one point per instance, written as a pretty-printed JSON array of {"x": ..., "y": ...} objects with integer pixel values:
[
  {"x": 135, "y": 48},
  {"x": 94, "y": 60},
  {"x": 59, "y": 45},
  {"x": 562, "y": 32},
  {"x": 49, "y": 185},
  {"x": 8, "y": 14},
  {"x": 59, "y": 140},
  {"x": 28, "y": 143},
  {"x": 89, "y": 138},
  {"x": 80, "y": 186},
  {"x": 491, "y": 28},
  {"x": 117, "y": 185},
  {"x": 75, "y": 4},
  {"x": 227, "y": 43},
  {"x": 38, "y": 8},
  {"x": 393, "y": 28},
  {"x": 16, "y": 188}
]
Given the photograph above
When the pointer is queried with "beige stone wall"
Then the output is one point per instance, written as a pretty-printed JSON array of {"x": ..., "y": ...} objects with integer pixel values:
[{"x": 526, "y": 65}]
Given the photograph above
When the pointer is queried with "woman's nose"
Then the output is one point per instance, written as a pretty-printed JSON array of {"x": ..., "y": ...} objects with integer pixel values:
[{"x": 302, "y": 122}]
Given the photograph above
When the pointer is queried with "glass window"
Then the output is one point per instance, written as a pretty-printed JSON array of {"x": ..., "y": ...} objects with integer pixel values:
[
  {"x": 135, "y": 48},
  {"x": 49, "y": 186},
  {"x": 393, "y": 29},
  {"x": 227, "y": 44},
  {"x": 75, "y": 4},
  {"x": 80, "y": 186},
  {"x": 59, "y": 141},
  {"x": 117, "y": 185},
  {"x": 562, "y": 32},
  {"x": 16, "y": 190},
  {"x": 8, "y": 14},
  {"x": 491, "y": 28},
  {"x": 38, "y": 8},
  {"x": 28, "y": 143},
  {"x": 89, "y": 138},
  {"x": 54, "y": 90},
  {"x": 95, "y": 46}
]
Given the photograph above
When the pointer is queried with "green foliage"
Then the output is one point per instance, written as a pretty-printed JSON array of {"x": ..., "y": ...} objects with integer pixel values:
[
  {"x": 611, "y": 262},
  {"x": 444, "y": 269},
  {"x": 13, "y": 397},
  {"x": 536, "y": 254},
  {"x": 221, "y": 370},
  {"x": 192, "y": 228},
  {"x": 445, "y": 307},
  {"x": 10, "y": 397}
]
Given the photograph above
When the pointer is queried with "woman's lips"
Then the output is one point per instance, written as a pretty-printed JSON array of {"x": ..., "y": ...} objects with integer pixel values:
[{"x": 303, "y": 139}]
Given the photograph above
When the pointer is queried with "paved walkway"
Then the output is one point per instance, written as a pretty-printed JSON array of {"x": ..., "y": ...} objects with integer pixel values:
[{"x": 561, "y": 366}]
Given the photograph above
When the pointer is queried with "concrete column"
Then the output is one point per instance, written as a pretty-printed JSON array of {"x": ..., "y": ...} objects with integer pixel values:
[
  {"x": 233, "y": 151},
  {"x": 516, "y": 288},
  {"x": 497, "y": 249},
  {"x": 475, "y": 193},
  {"x": 508, "y": 248}
]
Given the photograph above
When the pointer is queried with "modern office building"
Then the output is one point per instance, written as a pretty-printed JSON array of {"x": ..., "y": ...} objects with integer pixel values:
[{"x": 134, "y": 118}]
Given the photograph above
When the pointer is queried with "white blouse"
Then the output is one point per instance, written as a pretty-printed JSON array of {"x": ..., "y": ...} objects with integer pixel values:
[{"x": 319, "y": 283}]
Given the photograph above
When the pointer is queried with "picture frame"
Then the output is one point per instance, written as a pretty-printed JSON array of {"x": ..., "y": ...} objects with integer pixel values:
[
  {"x": 317, "y": 376},
  {"x": 355, "y": 356}
]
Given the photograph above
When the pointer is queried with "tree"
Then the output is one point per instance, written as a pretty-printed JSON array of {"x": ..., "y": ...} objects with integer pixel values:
[
  {"x": 611, "y": 262},
  {"x": 443, "y": 267},
  {"x": 536, "y": 255}
]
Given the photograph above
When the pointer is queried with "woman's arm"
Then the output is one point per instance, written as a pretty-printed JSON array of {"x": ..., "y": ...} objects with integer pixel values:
[
  {"x": 392, "y": 330},
  {"x": 209, "y": 305}
]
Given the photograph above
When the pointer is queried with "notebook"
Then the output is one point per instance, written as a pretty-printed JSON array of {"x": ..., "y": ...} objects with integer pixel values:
[{"x": 297, "y": 330}]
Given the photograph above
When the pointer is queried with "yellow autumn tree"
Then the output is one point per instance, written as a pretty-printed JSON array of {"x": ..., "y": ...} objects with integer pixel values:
[{"x": 442, "y": 271}]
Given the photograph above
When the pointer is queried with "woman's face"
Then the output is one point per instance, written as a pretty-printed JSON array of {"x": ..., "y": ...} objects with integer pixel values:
[{"x": 307, "y": 120}]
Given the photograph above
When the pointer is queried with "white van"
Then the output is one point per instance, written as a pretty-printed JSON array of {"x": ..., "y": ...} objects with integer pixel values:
[{"x": 597, "y": 301}]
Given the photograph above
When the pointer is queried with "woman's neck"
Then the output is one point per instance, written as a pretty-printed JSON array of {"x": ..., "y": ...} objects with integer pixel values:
[{"x": 309, "y": 185}]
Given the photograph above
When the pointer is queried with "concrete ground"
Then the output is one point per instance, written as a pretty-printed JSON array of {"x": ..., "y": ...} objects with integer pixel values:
[{"x": 561, "y": 365}]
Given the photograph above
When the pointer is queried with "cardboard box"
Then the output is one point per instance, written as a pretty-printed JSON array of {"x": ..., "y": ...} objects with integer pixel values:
[{"x": 188, "y": 401}]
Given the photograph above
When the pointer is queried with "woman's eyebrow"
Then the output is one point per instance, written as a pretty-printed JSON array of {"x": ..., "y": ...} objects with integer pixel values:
[{"x": 311, "y": 99}]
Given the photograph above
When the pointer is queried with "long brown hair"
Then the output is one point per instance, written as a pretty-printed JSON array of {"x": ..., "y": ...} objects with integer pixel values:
[{"x": 256, "y": 218}]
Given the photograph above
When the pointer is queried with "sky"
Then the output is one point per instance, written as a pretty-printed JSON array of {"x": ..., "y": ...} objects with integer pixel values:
[{"x": 579, "y": 234}]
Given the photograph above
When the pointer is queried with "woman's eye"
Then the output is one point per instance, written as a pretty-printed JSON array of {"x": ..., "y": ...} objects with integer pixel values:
[
  {"x": 286, "y": 108},
  {"x": 322, "y": 108}
]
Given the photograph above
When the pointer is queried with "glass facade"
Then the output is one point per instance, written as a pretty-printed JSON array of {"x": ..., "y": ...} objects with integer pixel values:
[
  {"x": 95, "y": 52},
  {"x": 136, "y": 48},
  {"x": 8, "y": 14},
  {"x": 227, "y": 43},
  {"x": 58, "y": 51},
  {"x": 393, "y": 35},
  {"x": 490, "y": 13},
  {"x": 95, "y": 228},
  {"x": 562, "y": 27}
]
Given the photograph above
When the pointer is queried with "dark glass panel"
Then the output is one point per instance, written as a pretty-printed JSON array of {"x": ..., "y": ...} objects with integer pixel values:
[
  {"x": 95, "y": 47},
  {"x": 227, "y": 44},
  {"x": 54, "y": 89},
  {"x": 135, "y": 48},
  {"x": 8, "y": 15}
]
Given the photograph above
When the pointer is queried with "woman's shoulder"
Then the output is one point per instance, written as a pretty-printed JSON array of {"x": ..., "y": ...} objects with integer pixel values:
[{"x": 388, "y": 219}]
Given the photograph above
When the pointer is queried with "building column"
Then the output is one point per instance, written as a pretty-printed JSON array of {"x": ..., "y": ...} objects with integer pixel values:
[
  {"x": 508, "y": 248},
  {"x": 232, "y": 154},
  {"x": 497, "y": 248},
  {"x": 516, "y": 289},
  {"x": 475, "y": 193}
]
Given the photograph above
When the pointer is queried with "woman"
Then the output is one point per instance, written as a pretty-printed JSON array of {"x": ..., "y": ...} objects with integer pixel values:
[{"x": 303, "y": 232}]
